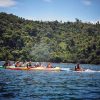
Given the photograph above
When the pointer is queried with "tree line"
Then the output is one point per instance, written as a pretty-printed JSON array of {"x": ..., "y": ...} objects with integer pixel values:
[{"x": 53, "y": 41}]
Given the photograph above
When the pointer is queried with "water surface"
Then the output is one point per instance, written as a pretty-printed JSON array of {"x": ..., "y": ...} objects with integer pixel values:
[{"x": 51, "y": 85}]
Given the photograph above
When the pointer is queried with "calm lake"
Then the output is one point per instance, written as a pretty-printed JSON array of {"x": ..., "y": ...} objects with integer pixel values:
[{"x": 51, "y": 85}]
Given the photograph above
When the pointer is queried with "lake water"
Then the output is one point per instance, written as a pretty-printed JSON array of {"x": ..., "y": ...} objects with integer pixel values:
[{"x": 51, "y": 85}]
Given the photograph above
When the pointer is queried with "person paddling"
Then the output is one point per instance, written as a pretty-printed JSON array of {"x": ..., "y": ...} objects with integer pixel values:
[
  {"x": 29, "y": 64},
  {"x": 78, "y": 68},
  {"x": 49, "y": 65},
  {"x": 17, "y": 64},
  {"x": 7, "y": 63}
]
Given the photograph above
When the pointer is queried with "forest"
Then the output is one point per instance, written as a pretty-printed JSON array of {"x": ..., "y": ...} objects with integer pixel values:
[{"x": 49, "y": 41}]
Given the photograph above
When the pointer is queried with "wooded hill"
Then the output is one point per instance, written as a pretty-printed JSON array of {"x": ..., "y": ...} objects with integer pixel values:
[{"x": 54, "y": 41}]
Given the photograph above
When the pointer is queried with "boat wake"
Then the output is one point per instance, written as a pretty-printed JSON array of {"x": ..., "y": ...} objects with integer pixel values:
[
  {"x": 86, "y": 70},
  {"x": 65, "y": 69},
  {"x": 89, "y": 70}
]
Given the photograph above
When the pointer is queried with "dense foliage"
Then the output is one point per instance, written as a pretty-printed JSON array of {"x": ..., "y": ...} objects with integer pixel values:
[{"x": 54, "y": 41}]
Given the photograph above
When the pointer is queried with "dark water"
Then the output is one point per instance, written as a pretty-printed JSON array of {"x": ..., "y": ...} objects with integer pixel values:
[{"x": 50, "y": 85}]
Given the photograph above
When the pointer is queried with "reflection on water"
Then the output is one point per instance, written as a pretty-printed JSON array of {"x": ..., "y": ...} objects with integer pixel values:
[{"x": 50, "y": 85}]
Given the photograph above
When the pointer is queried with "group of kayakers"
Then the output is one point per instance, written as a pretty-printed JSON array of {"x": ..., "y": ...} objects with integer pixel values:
[
  {"x": 23, "y": 64},
  {"x": 27, "y": 64}
]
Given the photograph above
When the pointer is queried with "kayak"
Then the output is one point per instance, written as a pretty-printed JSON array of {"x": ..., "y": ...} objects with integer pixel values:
[
  {"x": 10, "y": 67},
  {"x": 81, "y": 70},
  {"x": 1, "y": 67},
  {"x": 46, "y": 69},
  {"x": 17, "y": 68},
  {"x": 35, "y": 68}
]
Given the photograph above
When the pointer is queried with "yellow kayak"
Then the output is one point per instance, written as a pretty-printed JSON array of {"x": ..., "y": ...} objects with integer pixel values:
[
  {"x": 48, "y": 69},
  {"x": 34, "y": 68}
]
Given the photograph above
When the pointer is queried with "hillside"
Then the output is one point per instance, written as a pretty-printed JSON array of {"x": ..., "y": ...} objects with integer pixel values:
[{"x": 55, "y": 41}]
